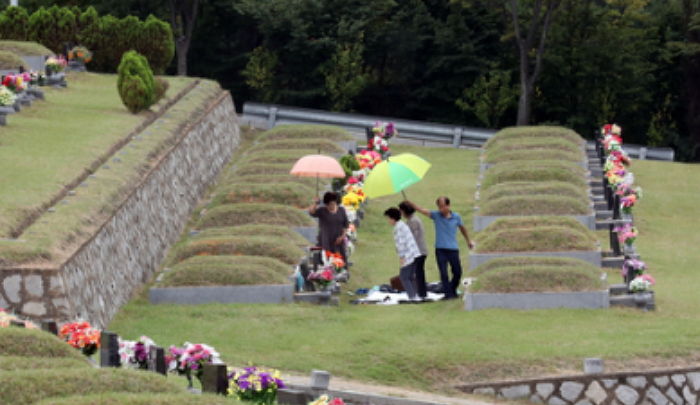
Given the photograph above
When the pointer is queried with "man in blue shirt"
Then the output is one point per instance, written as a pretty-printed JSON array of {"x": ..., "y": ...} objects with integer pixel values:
[{"x": 446, "y": 247}]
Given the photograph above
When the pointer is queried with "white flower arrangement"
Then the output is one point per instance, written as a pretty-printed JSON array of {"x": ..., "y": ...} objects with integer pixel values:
[{"x": 7, "y": 97}]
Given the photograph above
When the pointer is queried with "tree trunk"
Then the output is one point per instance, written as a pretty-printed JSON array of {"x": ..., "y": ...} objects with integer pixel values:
[
  {"x": 524, "y": 104},
  {"x": 182, "y": 49}
]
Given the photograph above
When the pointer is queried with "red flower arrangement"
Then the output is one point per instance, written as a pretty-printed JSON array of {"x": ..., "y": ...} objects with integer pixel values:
[{"x": 81, "y": 336}]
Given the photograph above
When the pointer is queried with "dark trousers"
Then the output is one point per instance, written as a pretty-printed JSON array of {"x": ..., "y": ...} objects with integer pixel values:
[
  {"x": 451, "y": 256},
  {"x": 420, "y": 276}
]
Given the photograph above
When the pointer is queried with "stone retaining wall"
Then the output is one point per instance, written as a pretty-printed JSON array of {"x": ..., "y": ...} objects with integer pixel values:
[
  {"x": 126, "y": 250},
  {"x": 675, "y": 386}
]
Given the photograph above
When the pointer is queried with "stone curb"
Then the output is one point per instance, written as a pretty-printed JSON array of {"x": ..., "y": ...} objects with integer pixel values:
[
  {"x": 537, "y": 300},
  {"x": 240, "y": 294}
]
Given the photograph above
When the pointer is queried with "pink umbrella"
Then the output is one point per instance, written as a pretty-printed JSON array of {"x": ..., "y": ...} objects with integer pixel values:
[{"x": 317, "y": 166}]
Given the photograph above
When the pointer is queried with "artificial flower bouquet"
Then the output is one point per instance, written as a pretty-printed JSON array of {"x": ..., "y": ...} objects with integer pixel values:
[
  {"x": 15, "y": 82},
  {"x": 134, "y": 354},
  {"x": 56, "y": 63},
  {"x": 326, "y": 400},
  {"x": 642, "y": 283},
  {"x": 353, "y": 199},
  {"x": 7, "y": 318},
  {"x": 633, "y": 268},
  {"x": 190, "y": 359},
  {"x": 626, "y": 234},
  {"x": 629, "y": 197},
  {"x": 323, "y": 277},
  {"x": 7, "y": 96},
  {"x": 81, "y": 336},
  {"x": 256, "y": 385},
  {"x": 80, "y": 54}
]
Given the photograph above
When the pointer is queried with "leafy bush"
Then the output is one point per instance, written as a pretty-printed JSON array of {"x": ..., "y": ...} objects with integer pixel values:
[
  {"x": 322, "y": 145},
  {"x": 539, "y": 239},
  {"x": 30, "y": 386},
  {"x": 537, "y": 279},
  {"x": 10, "y": 60},
  {"x": 498, "y": 175},
  {"x": 539, "y": 132},
  {"x": 25, "y": 48},
  {"x": 119, "y": 398},
  {"x": 297, "y": 195},
  {"x": 155, "y": 42},
  {"x": 535, "y": 205},
  {"x": 160, "y": 88},
  {"x": 135, "y": 82},
  {"x": 12, "y": 363},
  {"x": 14, "y": 23},
  {"x": 262, "y": 168},
  {"x": 253, "y": 230},
  {"x": 242, "y": 214},
  {"x": 274, "y": 247},
  {"x": 34, "y": 343},
  {"x": 533, "y": 154},
  {"x": 522, "y": 188},
  {"x": 227, "y": 270},
  {"x": 53, "y": 27},
  {"x": 291, "y": 131},
  {"x": 504, "y": 224},
  {"x": 531, "y": 261}
]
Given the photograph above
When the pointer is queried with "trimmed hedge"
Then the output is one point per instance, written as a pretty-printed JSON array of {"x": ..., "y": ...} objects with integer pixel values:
[
  {"x": 539, "y": 239},
  {"x": 535, "y": 205},
  {"x": 262, "y": 168},
  {"x": 533, "y": 261},
  {"x": 533, "y": 154},
  {"x": 503, "y": 224},
  {"x": 289, "y": 193},
  {"x": 522, "y": 188},
  {"x": 324, "y": 145},
  {"x": 136, "y": 83},
  {"x": 292, "y": 131},
  {"x": 498, "y": 175},
  {"x": 253, "y": 230},
  {"x": 261, "y": 213},
  {"x": 34, "y": 343},
  {"x": 30, "y": 386},
  {"x": 25, "y": 48},
  {"x": 227, "y": 270},
  {"x": 10, "y": 60},
  {"x": 519, "y": 279},
  {"x": 12, "y": 363},
  {"x": 539, "y": 132},
  {"x": 276, "y": 248},
  {"x": 119, "y": 398}
]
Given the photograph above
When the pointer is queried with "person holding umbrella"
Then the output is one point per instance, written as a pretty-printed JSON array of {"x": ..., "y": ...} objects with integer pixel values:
[
  {"x": 332, "y": 223},
  {"x": 446, "y": 246}
]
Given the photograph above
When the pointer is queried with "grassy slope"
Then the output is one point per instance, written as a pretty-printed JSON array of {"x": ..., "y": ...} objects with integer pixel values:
[{"x": 430, "y": 346}]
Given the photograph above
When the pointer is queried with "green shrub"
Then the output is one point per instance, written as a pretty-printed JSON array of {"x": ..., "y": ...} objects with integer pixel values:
[
  {"x": 160, "y": 88},
  {"x": 14, "y": 24},
  {"x": 12, "y": 363},
  {"x": 297, "y": 195},
  {"x": 53, "y": 27},
  {"x": 90, "y": 32},
  {"x": 537, "y": 279},
  {"x": 292, "y": 131},
  {"x": 273, "y": 247},
  {"x": 155, "y": 42},
  {"x": 34, "y": 343},
  {"x": 535, "y": 205},
  {"x": 262, "y": 213},
  {"x": 135, "y": 82},
  {"x": 503, "y": 224},
  {"x": 534, "y": 154},
  {"x": 498, "y": 175},
  {"x": 269, "y": 231},
  {"x": 25, "y": 48},
  {"x": 30, "y": 386},
  {"x": 539, "y": 131},
  {"x": 539, "y": 239},
  {"x": 522, "y": 188},
  {"x": 262, "y": 168},
  {"x": 322, "y": 145},
  {"x": 120, "y": 398},
  {"x": 10, "y": 60},
  {"x": 227, "y": 270},
  {"x": 532, "y": 261}
]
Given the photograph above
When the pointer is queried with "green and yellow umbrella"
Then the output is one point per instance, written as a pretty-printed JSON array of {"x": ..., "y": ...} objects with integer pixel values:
[{"x": 395, "y": 174}]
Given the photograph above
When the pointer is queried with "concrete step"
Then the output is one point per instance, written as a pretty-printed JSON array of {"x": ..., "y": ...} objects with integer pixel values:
[
  {"x": 603, "y": 214},
  {"x": 613, "y": 262},
  {"x": 604, "y": 224},
  {"x": 618, "y": 289},
  {"x": 644, "y": 301},
  {"x": 600, "y": 204}
]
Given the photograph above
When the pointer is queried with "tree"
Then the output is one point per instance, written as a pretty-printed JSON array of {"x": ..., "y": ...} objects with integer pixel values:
[
  {"x": 529, "y": 41},
  {"x": 183, "y": 16},
  {"x": 489, "y": 98},
  {"x": 345, "y": 75}
]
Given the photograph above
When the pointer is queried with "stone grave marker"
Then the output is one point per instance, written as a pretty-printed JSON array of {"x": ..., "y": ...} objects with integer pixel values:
[
  {"x": 109, "y": 349},
  {"x": 215, "y": 379},
  {"x": 156, "y": 360},
  {"x": 49, "y": 326}
]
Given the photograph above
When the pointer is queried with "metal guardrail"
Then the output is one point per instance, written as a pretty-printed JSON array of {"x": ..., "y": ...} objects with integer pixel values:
[{"x": 270, "y": 115}]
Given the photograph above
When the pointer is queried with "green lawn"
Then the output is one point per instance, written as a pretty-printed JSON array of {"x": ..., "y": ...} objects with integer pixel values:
[{"x": 432, "y": 346}]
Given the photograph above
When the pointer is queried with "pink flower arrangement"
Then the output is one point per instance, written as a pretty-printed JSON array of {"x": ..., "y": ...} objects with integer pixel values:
[
  {"x": 626, "y": 234},
  {"x": 190, "y": 359},
  {"x": 635, "y": 267}
]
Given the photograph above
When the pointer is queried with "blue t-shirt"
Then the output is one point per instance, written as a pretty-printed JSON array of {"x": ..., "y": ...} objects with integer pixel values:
[{"x": 446, "y": 230}]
